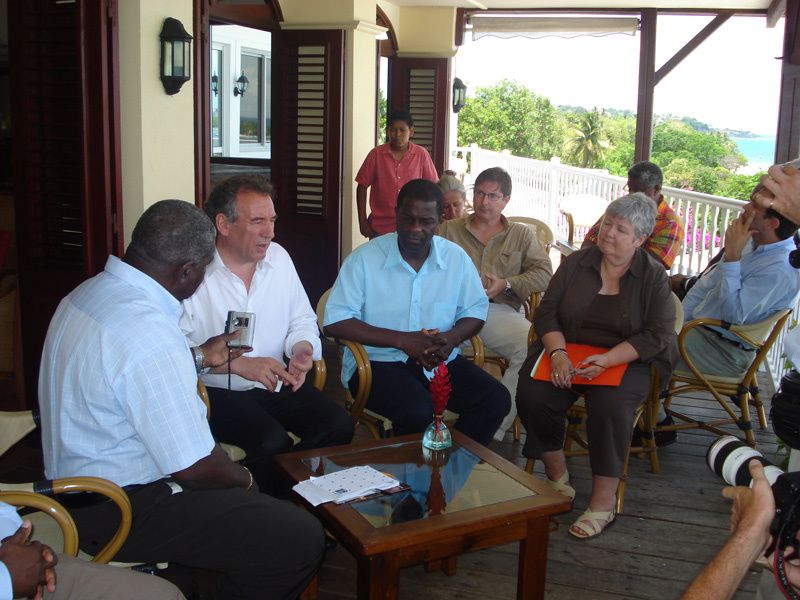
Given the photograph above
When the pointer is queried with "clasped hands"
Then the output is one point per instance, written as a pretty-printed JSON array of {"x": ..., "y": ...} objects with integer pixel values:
[
  {"x": 563, "y": 371},
  {"x": 31, "y": 564},
  {"x": 427, "y": 346}
]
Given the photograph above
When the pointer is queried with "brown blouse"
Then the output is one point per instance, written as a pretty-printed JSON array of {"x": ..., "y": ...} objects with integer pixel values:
[{"x": 647, "y": 315}]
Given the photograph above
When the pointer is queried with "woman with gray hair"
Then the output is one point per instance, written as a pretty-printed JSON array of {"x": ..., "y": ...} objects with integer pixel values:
[
  {"x": 455, "y": 196},
  {"x": 614, "y": 297}
]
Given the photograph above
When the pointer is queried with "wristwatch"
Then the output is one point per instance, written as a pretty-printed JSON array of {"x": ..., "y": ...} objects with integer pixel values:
[
  {"x": 198, "y": 359},
  {"x": 508, "y": 291}
]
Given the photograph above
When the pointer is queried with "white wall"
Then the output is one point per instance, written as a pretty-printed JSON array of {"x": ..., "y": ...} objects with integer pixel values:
[{"x": 157, "y": 130}]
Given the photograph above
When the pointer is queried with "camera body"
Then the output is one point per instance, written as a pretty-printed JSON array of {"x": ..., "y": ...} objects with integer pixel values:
[
  {"x": 245, "y": 324},
  {"x": 729, "y": 458}
]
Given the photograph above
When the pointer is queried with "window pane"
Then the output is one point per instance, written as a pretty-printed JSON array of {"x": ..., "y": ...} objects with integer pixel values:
[
  {"x": 216, "y": 102},
  {"x": 251, "y": 124}
]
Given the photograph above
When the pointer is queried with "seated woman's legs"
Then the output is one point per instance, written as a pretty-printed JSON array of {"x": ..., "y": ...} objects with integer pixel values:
[
  {"x": 541, "y": 407},
  {"x": 609, "y": 425}
]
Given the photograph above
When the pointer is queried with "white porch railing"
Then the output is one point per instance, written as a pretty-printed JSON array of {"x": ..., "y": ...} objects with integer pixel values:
[{"x": 543, "y": 189}]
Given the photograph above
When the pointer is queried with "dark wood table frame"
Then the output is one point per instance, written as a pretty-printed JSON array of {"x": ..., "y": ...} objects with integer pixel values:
[{"x": 436, "y": 541}]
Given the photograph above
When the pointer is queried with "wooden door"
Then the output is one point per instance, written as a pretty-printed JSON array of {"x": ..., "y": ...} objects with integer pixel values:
[
  {"x": 308, "y": 72},
  {"x": 420, "y": 85},
  {"x": 65, "y": 149}
]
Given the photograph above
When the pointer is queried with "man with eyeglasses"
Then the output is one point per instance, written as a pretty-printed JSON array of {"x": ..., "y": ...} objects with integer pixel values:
[
  {"x": 665, "y": 241},
  {"x": 512, "y": 265}
]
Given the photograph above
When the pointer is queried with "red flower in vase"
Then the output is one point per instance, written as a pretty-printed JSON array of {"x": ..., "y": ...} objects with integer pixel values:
[{"x": 440, "y": 388}]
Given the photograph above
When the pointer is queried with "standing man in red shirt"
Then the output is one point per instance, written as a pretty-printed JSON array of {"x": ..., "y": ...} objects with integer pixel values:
[{"x": 386, "y": 169}]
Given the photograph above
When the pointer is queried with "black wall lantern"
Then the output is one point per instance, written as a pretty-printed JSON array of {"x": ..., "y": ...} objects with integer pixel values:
[
  {"x": 176, "y": 55},
  {"x": 241, "y": 85},
  {"x": 215, "y": 84},
  {"x": 459, "y": 95}
]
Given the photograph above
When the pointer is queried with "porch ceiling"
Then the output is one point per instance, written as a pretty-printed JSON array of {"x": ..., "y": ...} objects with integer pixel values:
[{"x": 596, "y": 4}]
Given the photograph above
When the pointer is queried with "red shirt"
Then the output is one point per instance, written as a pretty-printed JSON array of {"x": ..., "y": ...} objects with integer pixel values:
[{"x": 386, "y": 176}]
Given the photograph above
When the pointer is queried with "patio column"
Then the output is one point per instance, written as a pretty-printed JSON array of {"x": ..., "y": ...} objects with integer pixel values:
[
  {"x": 647, "y": 83},
  {"x": 787, "y": 144}
]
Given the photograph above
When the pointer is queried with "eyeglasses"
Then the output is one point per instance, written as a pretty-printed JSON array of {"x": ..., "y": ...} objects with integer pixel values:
[{"x": 493, "y": 196}]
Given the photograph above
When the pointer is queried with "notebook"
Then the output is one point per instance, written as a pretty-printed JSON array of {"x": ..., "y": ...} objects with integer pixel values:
[{"x": 577, "y": 352}]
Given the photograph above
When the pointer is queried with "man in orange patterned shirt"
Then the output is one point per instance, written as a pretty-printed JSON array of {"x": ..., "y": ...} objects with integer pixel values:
[{"x": 665, "y": 241}]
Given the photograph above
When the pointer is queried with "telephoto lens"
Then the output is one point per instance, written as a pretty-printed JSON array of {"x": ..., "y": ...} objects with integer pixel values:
[{"x": 729, "y": 456}]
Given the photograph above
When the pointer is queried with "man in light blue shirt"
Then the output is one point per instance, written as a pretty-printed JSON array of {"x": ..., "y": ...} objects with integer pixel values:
[
  {"x": 411, "y": 299},
  {"x": 744, "y": 287},
  {"x": 118, "y": 398}
]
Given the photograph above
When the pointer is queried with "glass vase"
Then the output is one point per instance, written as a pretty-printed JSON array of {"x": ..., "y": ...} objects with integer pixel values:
[{"x": 437, "y": 435}]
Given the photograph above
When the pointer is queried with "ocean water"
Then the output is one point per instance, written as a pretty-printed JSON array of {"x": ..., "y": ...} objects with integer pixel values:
[{"x": 760, "y": 152}]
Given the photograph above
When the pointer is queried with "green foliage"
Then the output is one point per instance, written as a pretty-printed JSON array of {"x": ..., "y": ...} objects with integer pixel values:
[
  {"x": 508, "y": 116},
  {"x": 382, "y": 111},
  {"x": 586, "y": 140}
]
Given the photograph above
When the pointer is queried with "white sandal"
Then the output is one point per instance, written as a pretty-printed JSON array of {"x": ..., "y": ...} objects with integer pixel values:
[
  {"x": 562, "y": 486},
  {"x": 592, "y": 523}
]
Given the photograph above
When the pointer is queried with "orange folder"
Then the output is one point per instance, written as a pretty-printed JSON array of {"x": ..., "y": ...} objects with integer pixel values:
[{"x": 578, "y": 352}]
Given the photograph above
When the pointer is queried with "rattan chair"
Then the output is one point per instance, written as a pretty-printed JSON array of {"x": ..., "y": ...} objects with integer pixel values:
[
  {"x": 378, "y": 425},
  {"x": 729, "y": 392}
]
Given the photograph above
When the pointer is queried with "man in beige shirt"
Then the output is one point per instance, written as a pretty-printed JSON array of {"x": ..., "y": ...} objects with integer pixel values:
[{"x": 512, "y": 265}]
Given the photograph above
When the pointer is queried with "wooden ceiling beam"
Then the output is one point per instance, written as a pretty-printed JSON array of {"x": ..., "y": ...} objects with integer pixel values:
[
  {"x": 777, "y": 8},
  {"x": 701, "y": 36}
]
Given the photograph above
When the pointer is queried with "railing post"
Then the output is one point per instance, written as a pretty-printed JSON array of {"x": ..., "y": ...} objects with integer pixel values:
[{"x": 553, "y": 195}]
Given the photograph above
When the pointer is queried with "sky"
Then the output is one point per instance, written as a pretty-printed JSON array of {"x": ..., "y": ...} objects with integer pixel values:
[{"x": 732, "y": 81}]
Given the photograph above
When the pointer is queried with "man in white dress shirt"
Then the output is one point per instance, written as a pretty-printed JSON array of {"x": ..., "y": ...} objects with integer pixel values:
[{"x": 267, "y": 397}]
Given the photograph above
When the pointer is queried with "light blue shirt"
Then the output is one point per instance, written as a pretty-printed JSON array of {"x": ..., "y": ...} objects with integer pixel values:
[
  {"x": 747, "y": 290},
  {"x": 9, "y": 523},
  {"x": 118, "y": 386},
  {"x": 378, "y": 287}
]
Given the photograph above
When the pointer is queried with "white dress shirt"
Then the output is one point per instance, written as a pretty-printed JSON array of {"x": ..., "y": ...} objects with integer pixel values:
[
  {"x": 278, "y": 299},
  {"x": 117, "y": 386}
]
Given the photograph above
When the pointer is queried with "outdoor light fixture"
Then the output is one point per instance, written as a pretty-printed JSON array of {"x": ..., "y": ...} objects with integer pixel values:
[
  {"x": 459, "y": 95},
  {"x": 215, "y": 84},
  {"x": 176, "y": 55},
  {"x": 241, "y": 85}
]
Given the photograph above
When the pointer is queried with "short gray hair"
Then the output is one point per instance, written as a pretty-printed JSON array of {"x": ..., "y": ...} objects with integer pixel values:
[
  {"x": 451, "y": 183},
  {"x": 638, "y": 209},
  {"x": 173, "y": 232}
]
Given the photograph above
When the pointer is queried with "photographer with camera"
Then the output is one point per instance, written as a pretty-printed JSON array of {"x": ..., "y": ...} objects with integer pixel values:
[{"x": 751, "y": 516}]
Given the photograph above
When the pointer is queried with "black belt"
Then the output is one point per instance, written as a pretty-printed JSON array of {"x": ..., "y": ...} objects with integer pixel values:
[{"x": 729, "y": 340}]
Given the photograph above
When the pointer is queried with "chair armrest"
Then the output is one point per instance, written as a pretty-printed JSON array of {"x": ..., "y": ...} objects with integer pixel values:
[
  {"x": 478, "y": 351},
  {"x": 364, "y": 372},
  {"x": 87, "y": 484},
  {"x": 50, "y": 507},
  {"x": 320, "y": 374}
]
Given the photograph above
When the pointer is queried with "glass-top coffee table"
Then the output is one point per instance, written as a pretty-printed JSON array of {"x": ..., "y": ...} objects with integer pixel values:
[{"x": 463, "y": 499}]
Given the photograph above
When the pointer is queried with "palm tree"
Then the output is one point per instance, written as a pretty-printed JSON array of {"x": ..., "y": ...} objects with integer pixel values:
[{"x": 587, "y": 144}]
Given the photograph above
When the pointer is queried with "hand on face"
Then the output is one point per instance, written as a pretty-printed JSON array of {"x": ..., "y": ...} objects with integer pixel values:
[{"x": 737, "y": 235}]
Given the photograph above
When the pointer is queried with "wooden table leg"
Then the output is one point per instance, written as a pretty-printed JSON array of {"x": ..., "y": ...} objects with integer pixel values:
[
  {"x": 312, "y": 589},
  {"x": 378, "y": 577},
  {"x": 445, "y": 565},
  {"x": 533, "y": 561}
]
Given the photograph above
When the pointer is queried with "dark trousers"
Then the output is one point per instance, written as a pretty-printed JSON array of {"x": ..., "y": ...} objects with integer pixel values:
[
  {"x": 262, "y": 546},
  {"x": 400, "y": 392},
  {"x": 257, "y": 421},
  {"x": 609, "y": 416}
]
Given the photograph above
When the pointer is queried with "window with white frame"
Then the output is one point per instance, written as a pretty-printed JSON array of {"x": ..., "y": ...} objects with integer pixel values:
[{"x": 241, "y": 124}]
